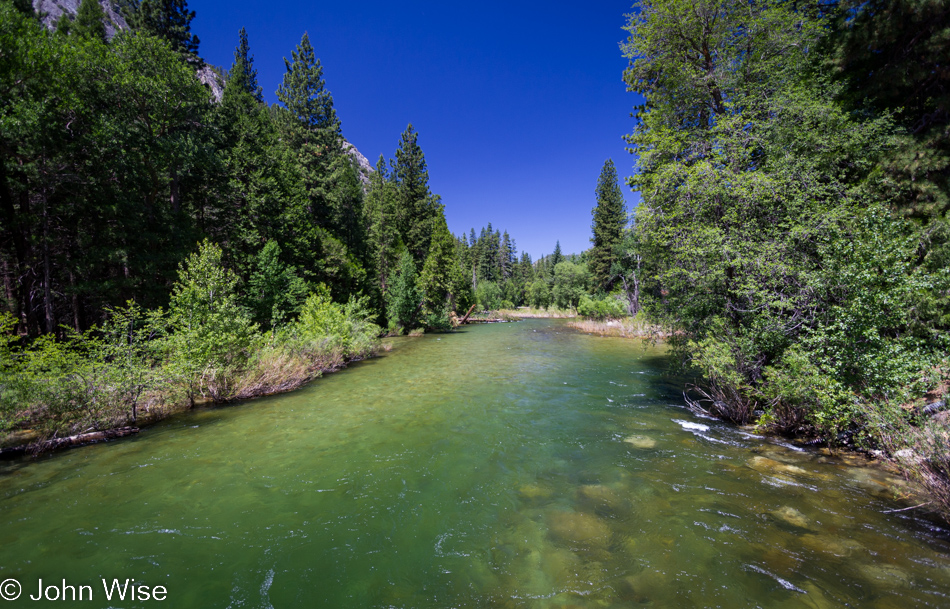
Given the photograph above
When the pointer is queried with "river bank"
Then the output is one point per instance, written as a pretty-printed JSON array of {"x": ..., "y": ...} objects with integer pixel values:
[
  {"x": 918, "y": 450},
  {"x": 269, "y": 375},
  {"x": 484, "y": 467}
]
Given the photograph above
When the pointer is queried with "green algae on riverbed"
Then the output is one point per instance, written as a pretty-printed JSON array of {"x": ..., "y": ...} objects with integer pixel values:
[{"x": 508, "y": 465}]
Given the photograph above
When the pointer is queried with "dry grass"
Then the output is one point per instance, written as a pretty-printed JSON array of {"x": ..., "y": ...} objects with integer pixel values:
[
  {"x": 278, "y": 370},
  {"x": 533, "y": 313},
  {"x": 624, "y": 328},
  {"x": 273, "y": 369}
]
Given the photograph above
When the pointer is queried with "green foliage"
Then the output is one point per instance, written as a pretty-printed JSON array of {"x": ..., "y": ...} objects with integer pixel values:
[
  {"x": 303, "y": 91},
  {"x": 380, "y": 217},
  {"x": 539, "y": 294},
  {"x": 86, "y": 381},
  {"x": 169, "y": 20},
  {"x": 570, "y": 284},
  {"x": 416, "y": 207},
  {"x": 402, "y": 299},
  {"x": 762, "y": 239},
  {"x": 243, "y": 73},
  {"x": 275, "y": 292},
  {"x": 608, "y": 307},
  {"x": 326, "y": 325},
  {"x": 488, "y": 296},
  {"x": 440, "y": 275},
  {"x": 610, "y": 218},
  {"x": 90, "y": 21},
  {"x": 213, "y": 336}
]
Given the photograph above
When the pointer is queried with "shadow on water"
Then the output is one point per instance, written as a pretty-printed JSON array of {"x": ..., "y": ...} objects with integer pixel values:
[{"x": 506, "y": 465}]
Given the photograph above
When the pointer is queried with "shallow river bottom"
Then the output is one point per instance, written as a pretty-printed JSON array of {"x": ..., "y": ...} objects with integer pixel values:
[{"x": 511, "y": 465}]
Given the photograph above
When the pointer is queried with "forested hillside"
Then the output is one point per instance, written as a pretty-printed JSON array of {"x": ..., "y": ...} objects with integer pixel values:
[{"x": 162, "y": 240}]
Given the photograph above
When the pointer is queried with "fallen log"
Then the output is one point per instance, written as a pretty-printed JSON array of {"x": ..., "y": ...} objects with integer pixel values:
[
  {"x": 465, "y": 319},
  {"x": 77, "y": 440}
]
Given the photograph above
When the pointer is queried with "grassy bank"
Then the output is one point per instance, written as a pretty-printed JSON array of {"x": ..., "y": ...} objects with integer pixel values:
[
  {"x": 627, "y": 327},
  {"x": 55, "y": 389},
  {"x": 142, "y": 365},
  {"x": 537, "y": 313}
]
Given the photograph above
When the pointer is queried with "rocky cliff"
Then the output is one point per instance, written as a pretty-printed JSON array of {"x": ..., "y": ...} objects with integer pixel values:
[
  {"x": 365, "y": 169},
  {"x": 51, "y": 10}
]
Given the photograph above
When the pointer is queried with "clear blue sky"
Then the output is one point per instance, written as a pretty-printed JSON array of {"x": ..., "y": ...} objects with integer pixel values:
[{"x": 517, "y": 104}]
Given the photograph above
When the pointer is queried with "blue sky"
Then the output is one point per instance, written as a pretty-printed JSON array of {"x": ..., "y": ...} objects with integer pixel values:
[{"x": 517, "y": 104}]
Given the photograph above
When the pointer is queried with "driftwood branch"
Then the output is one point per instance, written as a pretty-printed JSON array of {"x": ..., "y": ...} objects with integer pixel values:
[
  {"x": 77, "y": 440},
  {"x": 465, "y": 319}
]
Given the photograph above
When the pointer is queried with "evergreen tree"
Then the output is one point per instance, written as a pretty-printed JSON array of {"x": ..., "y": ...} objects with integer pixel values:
[
  {"x": 610, "y": 217},
  {"x": 24, "y": 6},
  {"x": 303, "y": 92},
  {"x": 64, "y": 25},
  {"x": 169, "y": 20},
  {"x": 275, "y": 292},
  {"x": 402, "y": 299},
  {"x": 380, "y": 218},
  {"x": 440, "y": 277},
  {"x": 312, "y": 131},
  {"x": 90, "y": 21},
  {"x": 417, "y": 207},
  {"x": 557, "y": 256},
  {"x": 243, "y": 72}
]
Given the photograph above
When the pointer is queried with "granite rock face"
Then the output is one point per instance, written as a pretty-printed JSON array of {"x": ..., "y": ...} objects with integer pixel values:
[
  {"x": 50, "y": 11},
  {"x": 365, "y": 169},
  {"x": 214, "y": 82}
]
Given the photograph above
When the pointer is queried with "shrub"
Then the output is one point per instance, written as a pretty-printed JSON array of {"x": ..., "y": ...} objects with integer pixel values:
[{"x": 604, "y": 308}]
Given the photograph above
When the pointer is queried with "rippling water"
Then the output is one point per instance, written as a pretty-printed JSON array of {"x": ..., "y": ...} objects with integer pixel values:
[{"x": 511, "y": 465}]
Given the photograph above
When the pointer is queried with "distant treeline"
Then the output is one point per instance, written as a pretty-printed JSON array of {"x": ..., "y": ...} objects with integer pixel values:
[{"x": 115, "y": 162}]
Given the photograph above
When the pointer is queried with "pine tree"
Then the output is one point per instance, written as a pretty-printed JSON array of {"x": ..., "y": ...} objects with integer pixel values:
[
  {"x": 303, "y": 91},
  {"x": 402, "y": 299},
  {"x": 24, "y": 6},
  {"x": 169, "y": 20},
  {"x": 440, "y": 277},
  {"x": 64, "y": 25},
  {"x": 557, "y": 256},
  {"x": 312, "y": 130},
  {"x": 90, "y": 21},
  {"x": 275, "y": 292},
  {"x": 417, "y": 206},
  {"x": 380, "y": 219},
  {"x": 610, "y": 218},
  {"x": 243, "y": 73}
]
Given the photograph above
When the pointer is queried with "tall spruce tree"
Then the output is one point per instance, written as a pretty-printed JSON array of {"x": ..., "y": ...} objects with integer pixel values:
[
  {"x": 610, "y": 217},
  {"x": 557, "y": 256},
  {"x": 417, "y": 206},
  {"x": 303, "y": 91},
  {"x": 90, "y": 21},
  {"x": 312, "y": 130},
  {"x": 169, "y": 20},
  {"x": 380, "y": 219},
  {"x": 243, "y": 73}
]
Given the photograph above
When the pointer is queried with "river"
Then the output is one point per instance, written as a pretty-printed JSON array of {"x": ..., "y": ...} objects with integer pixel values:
[{"x": 508, "y": 465}]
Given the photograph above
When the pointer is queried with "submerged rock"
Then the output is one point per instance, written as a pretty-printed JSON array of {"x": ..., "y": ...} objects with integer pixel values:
[
  {"x": 837, "y": 546},
  {"x": 771, "y": 466},
  {"x": 578, "y": 528},
  {"x": 535, "y": 492},
  {"x": 885, "y": 574},
  {"x": 644, "y": 587},
  {"x": 600, "y": 499},
  {"x": 644, "y": 442},
  {"x": 791, "y": 516}
]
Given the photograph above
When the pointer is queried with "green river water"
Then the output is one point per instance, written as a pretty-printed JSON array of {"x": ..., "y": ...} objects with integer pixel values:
[{"x": 508, "y": 465}]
